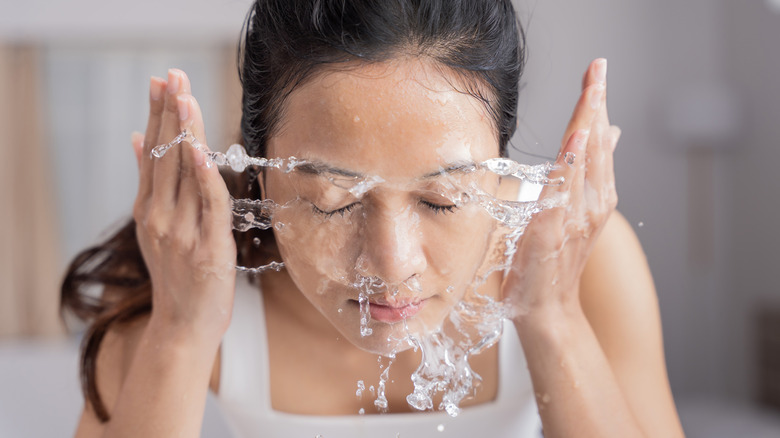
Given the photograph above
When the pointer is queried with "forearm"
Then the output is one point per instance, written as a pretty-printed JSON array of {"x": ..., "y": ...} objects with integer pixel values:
[
  {"x": 576, "y": 390},
  {"x": 164, "y": 392}
]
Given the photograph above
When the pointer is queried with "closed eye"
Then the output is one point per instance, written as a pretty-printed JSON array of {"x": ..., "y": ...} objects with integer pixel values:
[
  {"x": 436, "y": 208},
  {"x": 341, "y": 211}
]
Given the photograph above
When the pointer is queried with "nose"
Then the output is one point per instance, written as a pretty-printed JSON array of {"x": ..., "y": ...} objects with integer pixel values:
[{"x": 392, "y": 246}]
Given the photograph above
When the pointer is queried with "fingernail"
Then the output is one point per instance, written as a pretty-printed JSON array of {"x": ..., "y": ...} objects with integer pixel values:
[
  {"x": 136, "y": 137},
  {"x": 601, "y": 70},
  {"x": 595, "y": 96},
  {"x": 183, "y": 102},
  {"x": 156, "y": 88},
  {"x": 173, "y": 81}
]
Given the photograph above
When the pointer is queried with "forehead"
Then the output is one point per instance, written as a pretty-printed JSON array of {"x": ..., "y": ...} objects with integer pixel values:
[{"x": 396, "y": 119}]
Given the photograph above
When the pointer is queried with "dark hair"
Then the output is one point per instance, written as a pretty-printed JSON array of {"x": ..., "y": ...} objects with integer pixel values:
[{"x": 284, "y": 43}]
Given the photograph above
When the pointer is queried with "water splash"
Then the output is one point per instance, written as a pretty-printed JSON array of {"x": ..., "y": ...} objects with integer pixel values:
[
  {"x": 474, "y": 325},
  {"x": 525, "y": 172},
  {"x": 365, "y": 314},
  {"x": 381, "y": 398}
]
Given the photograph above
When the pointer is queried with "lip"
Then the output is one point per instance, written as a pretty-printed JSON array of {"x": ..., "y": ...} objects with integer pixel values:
[
  {"x": 383, "y": 311},
  {"x": 390, "y": 314}
]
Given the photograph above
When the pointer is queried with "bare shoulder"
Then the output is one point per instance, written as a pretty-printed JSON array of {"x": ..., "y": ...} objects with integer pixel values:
[
  {"x": 618, "y": 295},
  {"x": 112, "y": 366},
  {"x": 619, "y": 299}
]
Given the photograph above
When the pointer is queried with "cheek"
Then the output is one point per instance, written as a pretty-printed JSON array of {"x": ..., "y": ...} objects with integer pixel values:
[
  {"x": 457, "y": 245},
  {"x": 315, "y": 250}
]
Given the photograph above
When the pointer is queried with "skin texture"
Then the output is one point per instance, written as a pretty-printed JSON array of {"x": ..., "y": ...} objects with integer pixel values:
[
  {"x": 402, "y": 230},
  {"x": 588, "y": 317}
]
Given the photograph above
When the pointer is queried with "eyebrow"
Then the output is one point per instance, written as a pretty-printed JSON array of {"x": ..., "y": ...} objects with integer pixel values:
[{"x": 319, "y": 168}]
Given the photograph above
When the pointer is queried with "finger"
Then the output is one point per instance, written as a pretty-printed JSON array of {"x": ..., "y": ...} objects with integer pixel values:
[
  {"x": 600, "y": 171},
  {"x": 610, "y": 191},
  {"x": 590, "y": 99},
  {"x": 166, "y": 169},
  {"x": 137, "y": 141},
  {"x": 216, "y": 215},
  {"x": 157, "y": 87},
  {"x": 188, "y": 199},
  {"x": 596, "y": 72},
  {"x": 564, "y": 167}
]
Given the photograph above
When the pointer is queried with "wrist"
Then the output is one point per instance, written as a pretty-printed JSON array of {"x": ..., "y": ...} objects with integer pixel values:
[
  {"x": 184, "y": 337},
  {"x": 551, "y": 324}
]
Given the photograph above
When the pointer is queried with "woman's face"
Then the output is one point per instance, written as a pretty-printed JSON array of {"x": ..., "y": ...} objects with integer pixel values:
[{"x": 377, "y": 208}]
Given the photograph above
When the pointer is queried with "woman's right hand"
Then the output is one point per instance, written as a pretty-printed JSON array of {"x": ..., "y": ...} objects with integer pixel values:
[{"x": 183, "y": 219}]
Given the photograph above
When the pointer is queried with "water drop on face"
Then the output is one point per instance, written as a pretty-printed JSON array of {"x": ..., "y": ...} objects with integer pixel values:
[
  {"x": 440, "y": 428},
  {"x": 341, "y": 310},
  {"x": 356, "y": 119},
  {"x": 450, "y": 289}
]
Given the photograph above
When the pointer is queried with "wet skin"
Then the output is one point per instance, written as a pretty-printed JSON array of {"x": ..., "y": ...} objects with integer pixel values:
[{"x": 402, "y": 122}]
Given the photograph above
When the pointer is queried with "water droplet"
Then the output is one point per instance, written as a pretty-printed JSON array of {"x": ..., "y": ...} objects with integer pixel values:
[
  {"x": 356, "y": 119},
  {"x": 569, "y": 158},
  {"x": 365, "y": 314},
  {"x": 249, "y": 217},
  {"x": 256, "y": 242},
  {"x": 450, "y": 289},
  {"x": 440, "y": 428},
  {"x": 640, "y": 224},
  {"x": 341, "y": 310},
  {"x": 361, "y": 411}
]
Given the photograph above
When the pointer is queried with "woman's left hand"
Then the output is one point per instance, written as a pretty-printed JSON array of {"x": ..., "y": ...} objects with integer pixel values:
[{"x": 552, "y": 253}]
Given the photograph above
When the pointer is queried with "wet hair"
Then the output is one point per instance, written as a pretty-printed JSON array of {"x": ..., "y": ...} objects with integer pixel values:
[{"x": 285, "y": 43}]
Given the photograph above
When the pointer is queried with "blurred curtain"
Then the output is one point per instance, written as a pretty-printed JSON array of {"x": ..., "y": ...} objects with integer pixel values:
[{"x": 30, "y": 268}]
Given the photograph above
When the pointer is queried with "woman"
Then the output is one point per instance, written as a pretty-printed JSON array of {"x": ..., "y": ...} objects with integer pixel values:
[{"x": 401, "y": 91}]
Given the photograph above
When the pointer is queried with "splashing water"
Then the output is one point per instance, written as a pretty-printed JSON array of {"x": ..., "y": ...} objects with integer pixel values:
[
  {"x": 381, "y": 398},
  {"x": 475, "y": 323}
]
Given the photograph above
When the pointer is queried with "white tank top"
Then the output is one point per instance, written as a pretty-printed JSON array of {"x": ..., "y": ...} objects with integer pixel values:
[{"x": 245, "y": 397}]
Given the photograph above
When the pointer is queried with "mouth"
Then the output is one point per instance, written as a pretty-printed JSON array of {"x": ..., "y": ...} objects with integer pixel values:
[{"x": 383, "y": 311}]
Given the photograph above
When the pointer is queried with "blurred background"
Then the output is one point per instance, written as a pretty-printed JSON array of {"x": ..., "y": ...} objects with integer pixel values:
[{"x": 693, "y": 84}]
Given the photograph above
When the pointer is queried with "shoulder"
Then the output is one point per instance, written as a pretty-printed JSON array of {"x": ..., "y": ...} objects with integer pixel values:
[
  {"x": 112, "y": 364},
  {"x": 617, "y": 291},
  {"x": 619, "y": 300},
  {"x": 616, "y": 283}
]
